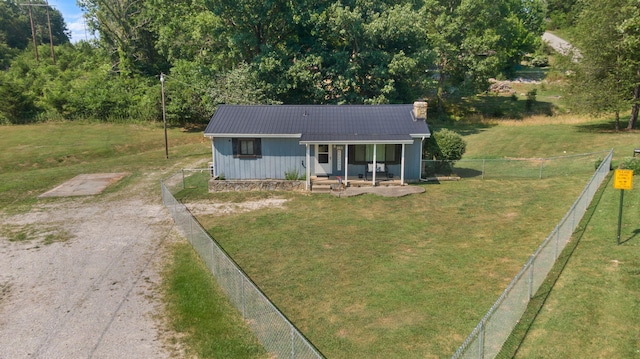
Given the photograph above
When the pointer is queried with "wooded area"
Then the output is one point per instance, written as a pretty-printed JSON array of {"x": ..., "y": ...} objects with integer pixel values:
[{"x": 311, "y": 51}]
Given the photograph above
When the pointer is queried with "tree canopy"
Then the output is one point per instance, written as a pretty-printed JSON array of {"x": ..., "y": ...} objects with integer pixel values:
[
  {"x": 607, "y": 78},
  {"x": 268, "y": 51}
]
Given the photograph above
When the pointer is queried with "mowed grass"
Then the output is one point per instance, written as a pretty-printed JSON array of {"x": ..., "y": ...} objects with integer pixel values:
[
  {"x": 410, "y": 277},
  {"x": 209, "y": 325},
  {"x": 394, "y": 277},
  {"x": 36, "y": 158},
  {"x": 594, "y": 307}
]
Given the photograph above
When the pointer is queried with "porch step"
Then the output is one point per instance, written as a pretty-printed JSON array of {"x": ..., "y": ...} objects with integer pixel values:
[{"x": 321, "y": 188}]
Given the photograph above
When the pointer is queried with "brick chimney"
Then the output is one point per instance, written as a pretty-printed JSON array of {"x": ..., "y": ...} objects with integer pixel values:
[{"x": 420, "y": 109}]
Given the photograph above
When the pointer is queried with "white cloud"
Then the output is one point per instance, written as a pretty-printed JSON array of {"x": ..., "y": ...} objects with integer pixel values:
[{"x": 78, "y": 28}]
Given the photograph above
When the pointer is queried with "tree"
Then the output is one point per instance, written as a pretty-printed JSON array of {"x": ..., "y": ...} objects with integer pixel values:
[
  {"x": 562, "y": 13},
  {"x": 475, "y": 40},
  {"x": 126, "y": 33},
  {"x": 321, "y": 51},
  {"x": 607, "y": 78},
  {"x": 15, "y": 27},
  {"x": 59, "y": 29},
  {"x": 198, "y": 40}
]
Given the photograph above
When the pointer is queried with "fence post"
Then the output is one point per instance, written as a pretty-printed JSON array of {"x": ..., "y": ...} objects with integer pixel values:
[
  {"x": 531, "y": 268},
  {"x": 243, "y": 298},
  {"x": 191, "y": 229},
  {"x": 555, "y": 248},
  {"x": 213, "y": 258},
  {"x": 541, "y": 166},
  {"x": 481, "y": 341},
  {"x": 293, "y": 342}
]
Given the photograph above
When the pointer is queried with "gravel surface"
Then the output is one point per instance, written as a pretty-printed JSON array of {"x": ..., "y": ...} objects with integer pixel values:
[
  {"x": 561, "y": 46},
  {"x": 82, "y": 278}
]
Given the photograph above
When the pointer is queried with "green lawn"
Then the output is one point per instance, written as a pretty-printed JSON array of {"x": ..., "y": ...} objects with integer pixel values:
[
  {"x": 36, "y": 158},
  {"x": 593, "y": 310},
  {"x": 395, "y": 278},
  {"x": 410, "y": 277},
  {"x": 379, "y": 277},
  {"x": 210, "y": 326}
]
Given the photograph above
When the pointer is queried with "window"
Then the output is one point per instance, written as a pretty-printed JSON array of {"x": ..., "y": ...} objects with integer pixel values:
[
  {"x": 323, "y": 153},
  {"x": 361, "y": 154},
  {"x": 246, "y": 147}
]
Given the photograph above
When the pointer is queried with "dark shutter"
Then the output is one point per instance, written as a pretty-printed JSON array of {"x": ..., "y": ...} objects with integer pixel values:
[
  {"x": 235, "y": 144},
  {"x": 257, "y": 147}
]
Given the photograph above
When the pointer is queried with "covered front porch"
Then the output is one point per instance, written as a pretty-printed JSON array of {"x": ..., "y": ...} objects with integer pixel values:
[{"x": 355, "y": 164}]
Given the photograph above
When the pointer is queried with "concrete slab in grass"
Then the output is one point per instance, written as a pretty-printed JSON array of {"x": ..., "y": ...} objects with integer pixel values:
[{"x": 84, "y": 185}]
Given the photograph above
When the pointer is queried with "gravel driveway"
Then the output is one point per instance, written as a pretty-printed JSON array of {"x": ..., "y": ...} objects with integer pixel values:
[
  {"x": 561, "y": 46},
  {"x": 93, "y": 291}
]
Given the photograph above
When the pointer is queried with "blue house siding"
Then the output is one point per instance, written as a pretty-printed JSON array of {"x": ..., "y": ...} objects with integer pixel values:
[{"x": 279, "y": 155}]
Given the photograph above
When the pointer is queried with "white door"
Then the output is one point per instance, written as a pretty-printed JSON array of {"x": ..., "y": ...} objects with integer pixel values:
[{"x": 323, "y": 160}]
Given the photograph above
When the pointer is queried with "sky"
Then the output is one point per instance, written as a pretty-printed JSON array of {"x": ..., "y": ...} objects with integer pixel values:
[{"x": 73, "y": 18}]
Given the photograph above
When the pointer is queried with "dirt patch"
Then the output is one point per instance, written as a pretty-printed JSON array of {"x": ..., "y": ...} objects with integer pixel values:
[
  {"x": 225, "y": 208},
  {"x": 391, "y": 191}
]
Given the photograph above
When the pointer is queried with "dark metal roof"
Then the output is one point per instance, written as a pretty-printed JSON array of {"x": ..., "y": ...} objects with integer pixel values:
[{"x": 319, "y": 123}]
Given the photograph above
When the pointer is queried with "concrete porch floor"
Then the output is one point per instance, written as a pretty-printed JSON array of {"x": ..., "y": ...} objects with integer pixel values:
[
  {"x": 356, "y": 182},
  {"x": 387, "y": 187}
]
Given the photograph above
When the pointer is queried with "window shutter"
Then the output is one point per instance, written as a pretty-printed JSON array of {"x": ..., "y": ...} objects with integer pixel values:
[
  {"x": 235, "y": 144},
  {"x": 257, "y": 147}
]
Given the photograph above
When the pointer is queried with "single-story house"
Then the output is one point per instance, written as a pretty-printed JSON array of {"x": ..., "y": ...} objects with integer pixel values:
[{"x": 346, "y": 141}]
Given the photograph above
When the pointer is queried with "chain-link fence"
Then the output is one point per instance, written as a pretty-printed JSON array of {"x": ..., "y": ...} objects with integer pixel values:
[
  {"x": 274, "y": 331},
  {"x": 509, "y": 168},
  {"x": 486, "y": 340}
]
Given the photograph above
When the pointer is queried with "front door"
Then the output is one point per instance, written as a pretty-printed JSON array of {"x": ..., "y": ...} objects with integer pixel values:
[{"x": 323, "y": 160}]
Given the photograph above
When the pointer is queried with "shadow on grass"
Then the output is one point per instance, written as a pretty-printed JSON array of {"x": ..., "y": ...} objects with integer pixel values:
[
  {"x": 467, "y": 172},
  {"x": 608, "y": 126},
  {"x": 519, "y": 333},
  {"x": 509, "y": 107},
  {"x": 194, "y": 127},
  {"x": 635, "y": 234}
]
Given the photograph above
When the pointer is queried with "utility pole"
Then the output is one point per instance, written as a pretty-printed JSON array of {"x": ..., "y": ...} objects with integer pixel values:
[
  {"x": 164, "y": 117},
  {"x": 33, "y": 30},
  {"x": 53, "y": 55}
]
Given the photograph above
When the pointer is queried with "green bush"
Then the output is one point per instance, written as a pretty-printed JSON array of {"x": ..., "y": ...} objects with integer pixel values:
[
  {"x": 540, "y": 60},
  {"x": 445, "y": 145},
  {"x": 631, "y": 163}
]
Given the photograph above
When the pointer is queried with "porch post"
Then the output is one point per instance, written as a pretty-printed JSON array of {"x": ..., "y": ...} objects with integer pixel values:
[
  {"x": 402, "y": 166},
  {"x": 346, "y": 164},
  {"x": 212, "y": 170},
  {"x": 308, "y": 182},
  {"x": 375, "y": 165}
]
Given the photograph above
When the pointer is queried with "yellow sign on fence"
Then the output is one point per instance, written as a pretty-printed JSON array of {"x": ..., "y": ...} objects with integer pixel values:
[{"x": 623, "y": 179}]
